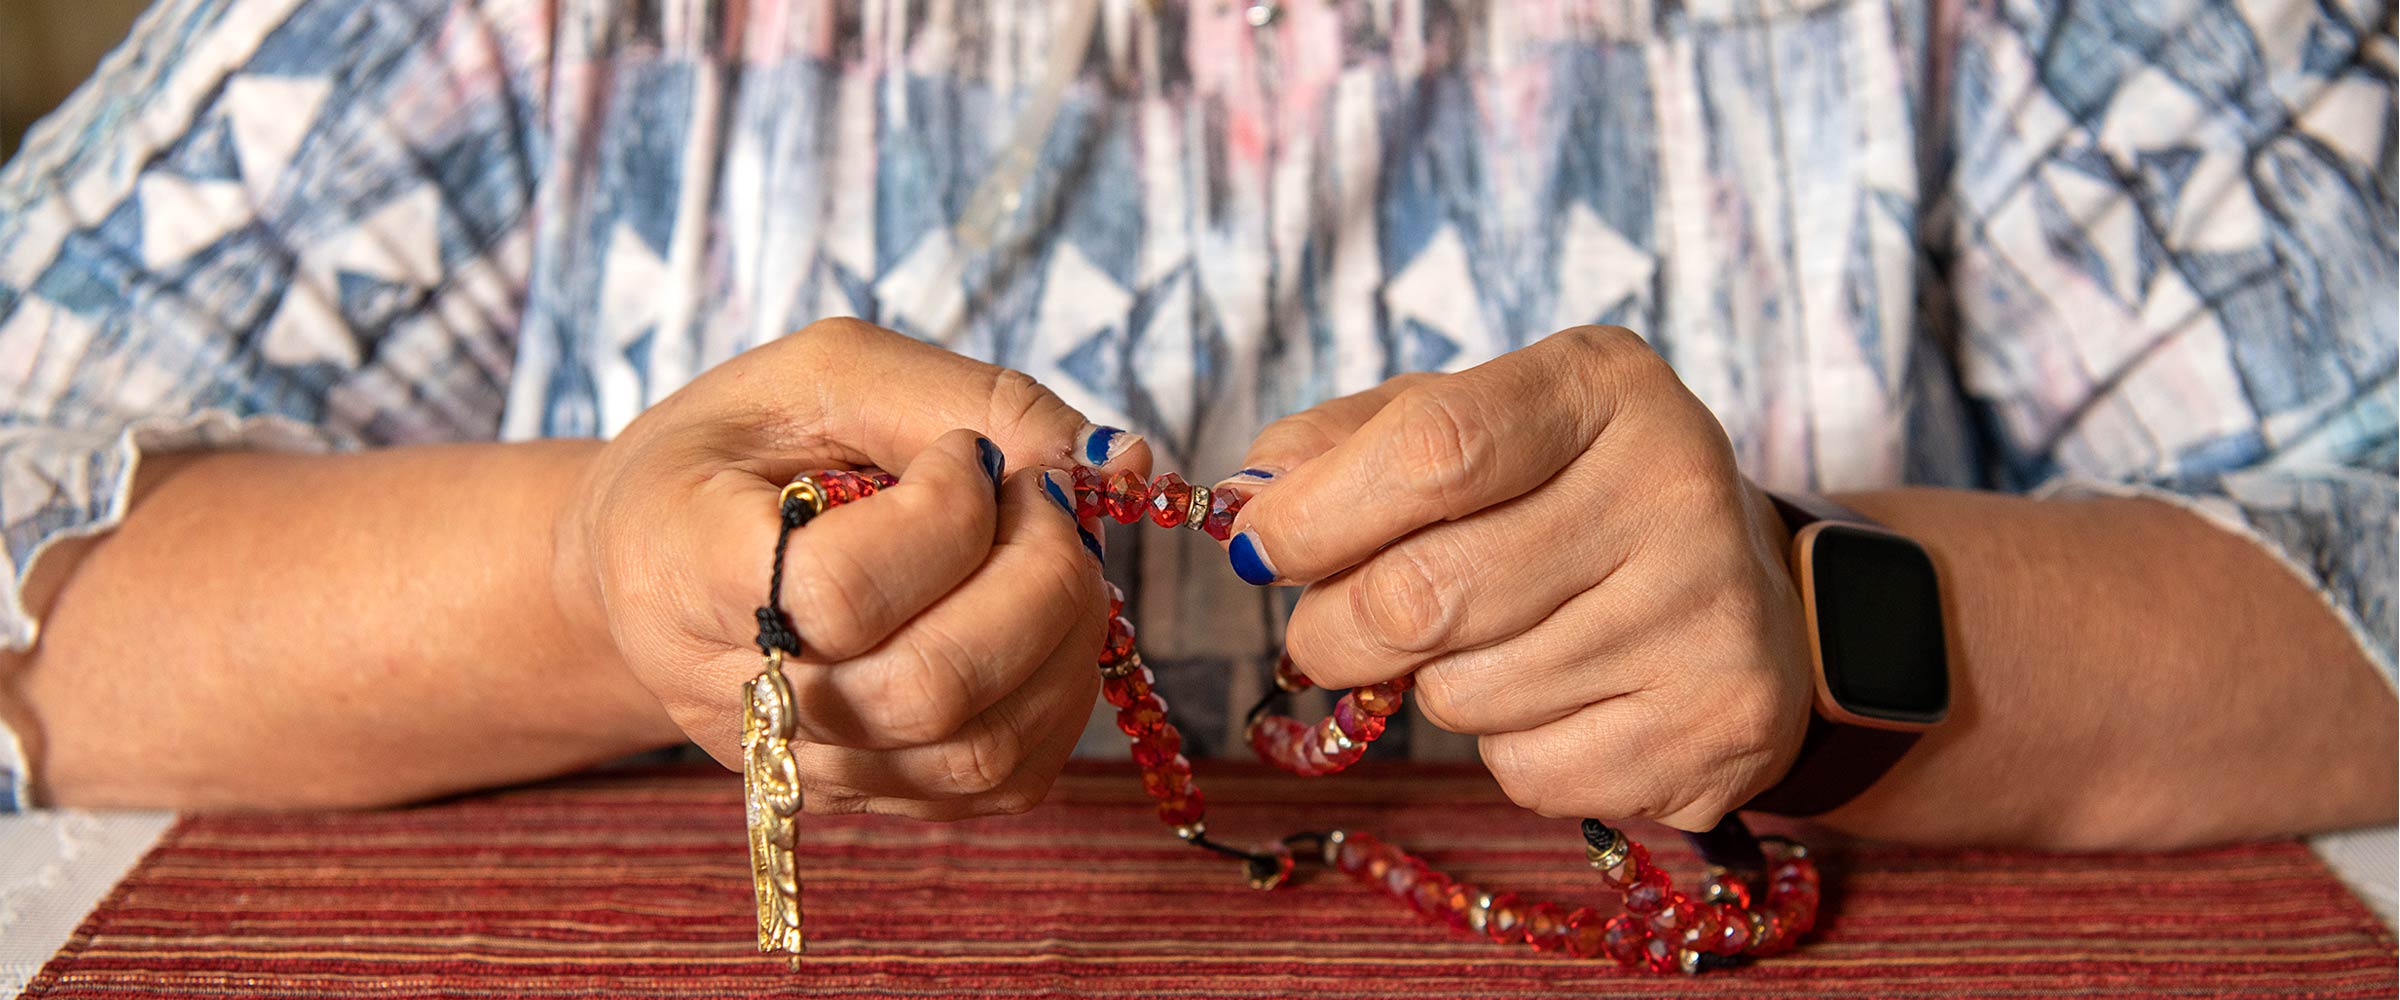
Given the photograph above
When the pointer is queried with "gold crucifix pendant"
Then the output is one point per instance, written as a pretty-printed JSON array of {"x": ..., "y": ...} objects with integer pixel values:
[{"x": 771, "y": 794}]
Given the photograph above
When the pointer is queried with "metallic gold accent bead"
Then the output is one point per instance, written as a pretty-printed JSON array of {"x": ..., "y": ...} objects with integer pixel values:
[
  {"x": 1481, "y": 913},
  {"x": 1611, "y": 856},
  {"x": 1688, "y": 960},
  {"x": 1196, "y": 511},
  {"x": 807, "y": 489},
  {"x": 1758, "y": 925},
  {"x": 1191, "y": 831},
  {"x": 1341, "y": 739},
  {"x": 1333, "y": 846}
]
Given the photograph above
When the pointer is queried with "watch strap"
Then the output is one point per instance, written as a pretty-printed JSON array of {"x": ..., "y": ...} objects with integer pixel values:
[{"x": 1835, "y": 764}]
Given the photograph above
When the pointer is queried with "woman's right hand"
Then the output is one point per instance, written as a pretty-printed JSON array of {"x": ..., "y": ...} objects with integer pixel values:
[{"x": 948, "y": 624}]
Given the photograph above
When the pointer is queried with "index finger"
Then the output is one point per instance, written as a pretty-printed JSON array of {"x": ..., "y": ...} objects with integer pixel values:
[{"x": 1438, "y": 451}]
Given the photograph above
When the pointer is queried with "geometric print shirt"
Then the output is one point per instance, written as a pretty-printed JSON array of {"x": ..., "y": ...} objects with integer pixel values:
[{"x": 2056, "y": 247}]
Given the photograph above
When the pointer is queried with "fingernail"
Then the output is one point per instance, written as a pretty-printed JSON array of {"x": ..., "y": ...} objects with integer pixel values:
[
  {"x": 1098, "y": 445},
  {"x": 993, "y": 461},
  {"x": 1249, "y": 560},
  {"x": 1250, "y": 477},
  {"x": 1058, "y": 488}
]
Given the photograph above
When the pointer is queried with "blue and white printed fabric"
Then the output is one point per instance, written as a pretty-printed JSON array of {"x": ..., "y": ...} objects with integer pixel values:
[{"x": 2034, "y": 245}]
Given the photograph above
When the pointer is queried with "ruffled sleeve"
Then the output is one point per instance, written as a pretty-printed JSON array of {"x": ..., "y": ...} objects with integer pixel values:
[{"x": 2171, "y": 256}]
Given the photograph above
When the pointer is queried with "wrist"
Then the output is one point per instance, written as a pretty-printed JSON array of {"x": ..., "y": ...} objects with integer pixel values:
[{"x": 568, "y": 477}]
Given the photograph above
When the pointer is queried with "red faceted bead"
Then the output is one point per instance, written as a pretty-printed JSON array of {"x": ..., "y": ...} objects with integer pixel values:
[
  {"x": 1546, "y": 926},
  {"x": 1686, "y": 922},
  {"x": 1659, "y": 954},
  {"x": 1767, "y": 937},
  {"x": 1276, "y": 739},
  {"x": 1222, "y": 506},
  {"x": 1649, "y": 895},
  {"x": 1167, "y": 778},
  {"x": 1583, "y": 933},
  {"x": 1116, "y": 599},
  {"x": 1120, "y": 641},
  {"x": 1088, "y": 488},
  {"x": 1355, "y": 851},
  {"x": 1380, "y": 864},
  {"x": 1355, "y": 722},
  {"x": 1733, "y": 930},
  {"x": 1430, "y": 895},
  {"x": 1384, "y": 698},
  {"x": 1124, "y": 691},
  {"x": 1125, "y": 497},
  {"x": 1458, "y": 906},
  {"x": 1625, "y": 939},
  {"x": 1730, "y": 888},
  {"x": 1402, "y": 876},
  {"x": 839, "y": 487},
  {"x": 1157, "y": 747},
  {"x": 1170, "y": 500},
  {"x": 1182, "y": 810},
  {"x": 1504, "y": 920},
  {"x": 883, "y": 480},
  {"x": 1143, "y": 717},
  {"x": 1628, "y": 870},
  {"x": 1288, "y": 675}
]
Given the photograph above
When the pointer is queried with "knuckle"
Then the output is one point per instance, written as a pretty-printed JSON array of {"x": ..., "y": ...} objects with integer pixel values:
[
  {"x": 1440, "y": 704},
  {"x": 1518, "y": 779},
  {"x": 924, "y": 698},
  {"x": 1399, "y": 606},
  {"x": 1020, "y": 403},
  {"x": 1441, "y": 445},
  {"x": 1015, "y": 801},
  {"x": 981, "y": 762},
  {"x": 839, "y": 609},
  {"x": 837, "y": 332}
]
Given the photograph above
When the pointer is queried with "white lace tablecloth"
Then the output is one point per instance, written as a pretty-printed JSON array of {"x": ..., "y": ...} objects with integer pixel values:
[{"x": 54, "y": 867}]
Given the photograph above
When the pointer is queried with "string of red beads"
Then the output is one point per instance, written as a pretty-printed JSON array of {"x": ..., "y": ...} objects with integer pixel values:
[{"x": 1659, "y": 930}]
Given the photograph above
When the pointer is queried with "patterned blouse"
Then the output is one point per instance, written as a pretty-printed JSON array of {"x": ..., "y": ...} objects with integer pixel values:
[{"x": 2041, "y": 246}]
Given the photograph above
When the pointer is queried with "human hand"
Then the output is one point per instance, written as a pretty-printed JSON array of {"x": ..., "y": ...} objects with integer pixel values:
[
  {"x": 1558, "y": 544},
  {"x": 948, "y": 624}
]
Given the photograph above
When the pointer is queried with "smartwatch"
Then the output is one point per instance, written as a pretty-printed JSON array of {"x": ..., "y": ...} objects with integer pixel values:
[{"x": 1873, "y": 608}]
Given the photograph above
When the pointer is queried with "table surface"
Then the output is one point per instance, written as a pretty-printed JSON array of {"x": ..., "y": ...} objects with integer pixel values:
[{"x": 637, "y": 884}]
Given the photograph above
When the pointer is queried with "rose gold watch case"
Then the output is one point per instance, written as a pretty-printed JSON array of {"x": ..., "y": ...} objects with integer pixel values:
[{"x": 1804, "y": 544}]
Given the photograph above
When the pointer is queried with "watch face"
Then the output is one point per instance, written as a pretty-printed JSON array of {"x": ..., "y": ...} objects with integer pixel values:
[{"x": 1879, "y": 625}]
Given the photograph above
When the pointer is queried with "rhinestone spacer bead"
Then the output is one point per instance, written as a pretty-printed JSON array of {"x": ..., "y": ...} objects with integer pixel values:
[
  {"x": 1122, "y": 667},
  {"x": 1197, "y": 510},
  {"x": 1191, "y": 831}
]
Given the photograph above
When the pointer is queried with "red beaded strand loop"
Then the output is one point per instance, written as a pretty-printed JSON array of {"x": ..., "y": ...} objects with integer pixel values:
[{"x": 1660, "y": 928}]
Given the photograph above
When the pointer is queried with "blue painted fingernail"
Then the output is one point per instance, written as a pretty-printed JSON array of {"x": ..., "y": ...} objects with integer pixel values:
[
  {"x": 1058, "y": 487},
  {"x": 1055, "y": 486},
  {"x": 1097, "y": 445},
  {"x": 1249, "y": 560},
  {"x": 993, "y": 461},
  {"x": 1257, "y": 473}
]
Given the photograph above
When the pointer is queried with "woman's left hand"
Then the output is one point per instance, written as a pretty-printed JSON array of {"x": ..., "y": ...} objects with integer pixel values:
[{"x": 1558, "y": 544}]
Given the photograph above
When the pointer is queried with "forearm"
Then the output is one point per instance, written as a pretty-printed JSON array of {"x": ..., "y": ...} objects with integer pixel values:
[
  {"x": 301, "y": 630},
  {"x": 2127, "y": 675}
]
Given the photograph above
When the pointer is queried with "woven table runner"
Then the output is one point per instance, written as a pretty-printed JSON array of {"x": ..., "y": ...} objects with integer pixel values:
[{"x": 636, "y": 884}]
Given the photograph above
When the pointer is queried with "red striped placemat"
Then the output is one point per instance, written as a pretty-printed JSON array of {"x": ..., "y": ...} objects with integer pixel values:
[{"x": 636, "y": 884}]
